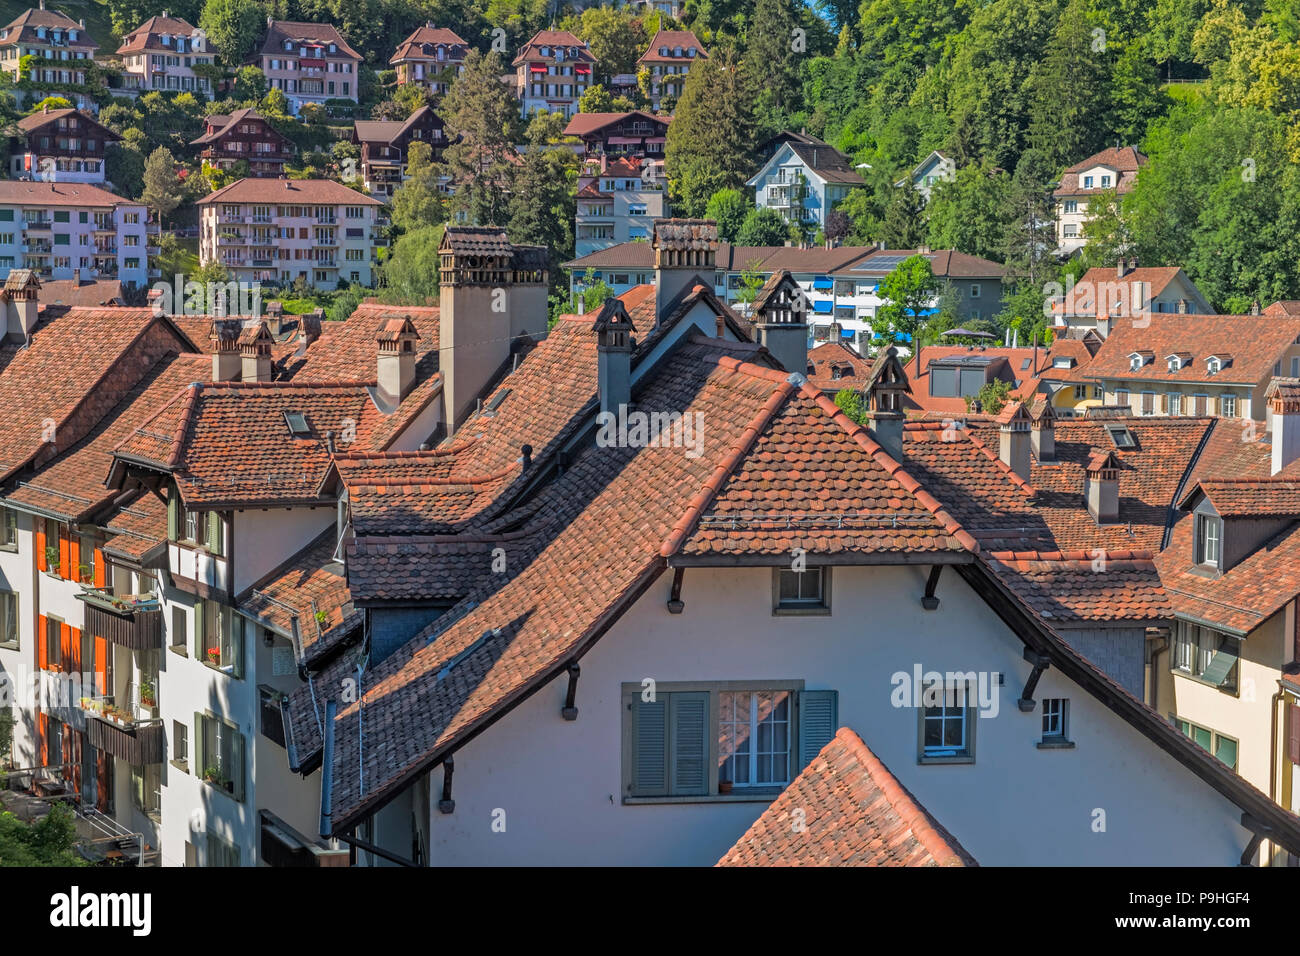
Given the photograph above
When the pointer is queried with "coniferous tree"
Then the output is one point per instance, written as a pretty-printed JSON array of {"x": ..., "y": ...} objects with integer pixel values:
[
  {"x": 904, "y": 224},
  {"x": 482, "y": 122},
  {"x": 774, "y": 55},
  {"x": 1070, "y": 98}
]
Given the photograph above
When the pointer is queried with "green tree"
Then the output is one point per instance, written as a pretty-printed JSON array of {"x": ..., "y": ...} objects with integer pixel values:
[
  {"x": 596, "y": 100},
  {"x": 482, "y": 122},
  {"x": 992, "y": 396},
  {"x": 614, "y": 41},
  {"x": 1070, "y": 88},
  {"x": 411, "y": 272},
  {"x": 233, "y": 27},
  {"x": 249, "y": 84},
  {"x": 728, "y": 208},
  {"x": 710, "y": 138},
  {"x": 1105, "y": 237},
  {"x": 48, "y": 842},
  {"x": 904, "y": 225},
  {"x": 849, "y": 401},
  {"x": 763, "y": 227},
  {"x": 905, "y": 293},
  {"x": 162, "y": 188},
  {"x": 970, "y": 212},
  {"x": 544, "y": 201},
  {"x": 772, "y": 64}
]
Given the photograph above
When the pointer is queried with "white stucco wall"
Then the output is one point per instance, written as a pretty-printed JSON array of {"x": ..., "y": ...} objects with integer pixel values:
[
  {"x": 559, "y": 782},
  {"x": 264, "y": 539},
  {"x": 17, "y": 570}
]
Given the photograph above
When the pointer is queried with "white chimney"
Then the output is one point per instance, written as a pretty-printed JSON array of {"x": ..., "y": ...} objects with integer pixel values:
[
  {"x": 1102, "y": 485},
  {"x": 1284, "y": 416},
  {"x": 1013, "y": 440}
]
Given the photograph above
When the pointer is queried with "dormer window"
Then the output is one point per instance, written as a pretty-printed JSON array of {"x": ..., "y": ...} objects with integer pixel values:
[
  {"x": 297, "y": 423},
  {"x": 1087, "y": 182},
  {"x": 333, "y": 48},
  {"x": 1105, "y": 182},
  {"x": 167, "y": 41},
  {"x": 1174, "y": 363},
  {"x": 1121, "y": 436},
  {"x": 288, "y": 44},
  {"x": 1134, "y": 362},
  {"x": 1209, "y": 539},
  {"x": 1213, "y": 365}
]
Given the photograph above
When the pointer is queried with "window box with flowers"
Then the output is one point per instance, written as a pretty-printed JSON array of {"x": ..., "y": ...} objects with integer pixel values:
[
  {"x": 219, "y": 638},
  {"x": 220, "y": 747}
]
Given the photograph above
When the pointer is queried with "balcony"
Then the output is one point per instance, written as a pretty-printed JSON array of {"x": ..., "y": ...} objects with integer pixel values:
[
  {"x": 128, "y": 620},
  {"x": 36, "y": 224},
  {"x": 327, "y": 220},
  {"x": 195, "y": 566},
  {"x": 103, "y": 251},
  {"x": 125, "y": 731}
]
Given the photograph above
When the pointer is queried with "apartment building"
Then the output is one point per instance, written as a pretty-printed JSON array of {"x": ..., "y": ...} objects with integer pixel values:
[
  {"x": 162, "y": 53},
  {"x": 531, "y": 686},
  {"x": 803, "y": 181},
  {"x": 616, "y": 203},
  {"x": 308, "y": 62},
  {"x": 384, "y": 145},
  {"x": 841, "y": 282},
  {"x": 59, "y": 230},
  {"x": 669, "y": 58},
  {"x": 1102, "y": 297},
  {"x": 635, "y": 133},
  {"x": 244, "y": 136},
  {"x": 1182, "y": 364},
  {"x": 280, "y": 230},
  {"x": 431, "y": 57},
  {"x": 59, "y": 146},
  {"x": 552, "y": 71},
  {"x": 1111, "y": 170},
  {"x": 60, "y": 47}
]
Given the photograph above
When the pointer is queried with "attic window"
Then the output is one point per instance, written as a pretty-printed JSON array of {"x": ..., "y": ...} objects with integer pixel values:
[
  {"x": 1121, "y": 436},
  {"x": 297, "y": 423},
  {"x": 1062, "y": 362},
  {"x": 497, "y": 399},
  {"x": 1174, "y": 363},
  {"x": 1134, "y": 362},
  {"x": 1024, "y": 364},
  {"x": 1212, "y": 365}
]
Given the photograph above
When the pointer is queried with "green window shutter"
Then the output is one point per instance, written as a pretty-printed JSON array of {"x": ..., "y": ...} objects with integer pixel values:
[
  {"x": 236, "y": 770},
  {"x": 200, "y": 645},
  {"x": 818, "y": 721},
  {"x": 650, "y": 747},
  {"x": 173, "y": 517},
  {"x": 6, "y": 215},
  {"x": 214, "y": 532},
  {"x": 1216, "y": 672},
  {"x": 689, "y": 743},
  {"x": 200, "y": 746}
]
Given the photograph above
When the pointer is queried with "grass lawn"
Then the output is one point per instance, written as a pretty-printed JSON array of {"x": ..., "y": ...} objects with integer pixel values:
[{"x": 184, "y": 261}]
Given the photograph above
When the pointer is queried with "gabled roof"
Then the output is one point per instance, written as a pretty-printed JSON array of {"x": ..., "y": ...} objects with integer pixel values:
[
  {"x": 325, "y": 192},
  {"x": 588, "y": 124},
  {"x": 1103, "y": 289},
  {"x": 532, "y": 50},
  {"x": 825, "y": 359},
  {"x": 855, "y": 813},
  {"x": 1272, "y": 497},
  {"x": 672, "y": 39},
  {"x": 43, "y": 118},
  {"x": 424, "y": 42},
  {"x": 1126, "y": 161},
  {"x": 146, "y": 35},
  {"x": 24, "y": 27},
  {"x": 825, "y": 162},
  {"x": 220, "y": 125},
  {"x": 1255, "y": 342},
  {"x": 388, "y": 131},
  {"x": 319, "y": 34},
  {"x": 22, "y": 192}
]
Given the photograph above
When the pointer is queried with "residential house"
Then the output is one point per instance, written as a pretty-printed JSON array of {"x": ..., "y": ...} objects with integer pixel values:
[
  {"x": 1103, "y": 296},
  {"x": 669, "y": 58},
  {"x": 308, "y": 62},
  {"x": 928, "y": 173},
  {"x": 620, "y": 134},
  {"x": 552, "y": 71},
  {"x": 384, "y": 145},
  {"x": 431, "y": 57},
  {"x": 1071, "y": 351},
  {"x": 1111, "y": 170},
  {"x": 842, "y": 282},
  {"x": 61, "y": 49},
  {"x": 1164, "y": 364},
  {"x": 803, "y": 182},
  {"x": 244, "y": 136},
  {"x": 833, "y": 366},
  {"x": 616, "y": 203},
  {"x": 162, "y": 53},
  {"x": 59, "y": 146},
  {"x": 61, "y": 229},
  {"x": 533, "y": 686},
  {"x": 943, "y": 378},
  {"x": 280, "y": 230}
]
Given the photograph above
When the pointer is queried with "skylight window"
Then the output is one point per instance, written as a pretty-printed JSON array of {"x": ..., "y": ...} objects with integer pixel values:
[
  {"x": 1121, "y": 436},
  {"x": 297, "y": 423}
]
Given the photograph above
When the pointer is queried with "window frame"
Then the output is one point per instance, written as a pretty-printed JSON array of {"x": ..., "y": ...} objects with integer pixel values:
[
  {"x": 1186, "y": 728},
  {"x": 802, "y": 608},
  {"x": 966, "y": 754},
  {"x": 1055, "y": 711},
  {"x": 8, "y": 529},
  {"x": 14, "y": 643},
  {"x": 1191, "y": 655},
  {"x": 1209, "y": 546},
  {"x": 239, "y": 784}
]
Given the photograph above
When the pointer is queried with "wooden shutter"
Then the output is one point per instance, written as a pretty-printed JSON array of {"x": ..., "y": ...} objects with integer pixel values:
[
  {"x": 818, "y": 721},
  {"x": 688, "y": 744},
  {"x": 173, "y": 517},
  {"x": 74, "y": 642},
  {"x": 236, "y": 770},
  {"x": 103, "y": 782},
  {"x": 214, "y": 532},
  {"x": 42, "y": 650},
  {"x": 199, "y": 747},
  {"x": 101, "y": 666},
  {"x": 73, "y": 571},
  {"x": 40, "y": 544},
  {"x": 64, "y": 563},
  {"x": 649, "y": 756},
  {"x": 101, "y": 576},
  {"x": 200, "y": 647},
  {"x": 66, "y": 751},
  {"x": 1293, "y": 748},
  {"x": 43, "y": 737}
]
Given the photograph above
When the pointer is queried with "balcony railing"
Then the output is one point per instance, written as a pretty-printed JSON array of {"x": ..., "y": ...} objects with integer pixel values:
[
  {"x": 125, "y": 731},
  {"x": 129, "y": 620}
]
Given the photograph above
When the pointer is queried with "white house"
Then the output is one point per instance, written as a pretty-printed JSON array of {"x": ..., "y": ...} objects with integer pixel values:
[
  {"x": 804, "y": 181},
  {"x": 934, "y": 169},
  {"x": 1110, "y": 170}
]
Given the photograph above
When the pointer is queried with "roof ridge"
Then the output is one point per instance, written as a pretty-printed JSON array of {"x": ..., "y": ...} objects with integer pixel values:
[
  {"x": 437, "y": 482},
  {"x": 915, "y": 816}
]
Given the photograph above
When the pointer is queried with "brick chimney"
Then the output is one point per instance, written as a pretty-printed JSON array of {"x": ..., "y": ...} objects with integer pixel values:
[
  {"x": 614, "y": 344},
  {"x": 21, "y": 295},
  {"x": 1121, "y": 268},
  {"x": 1013, "y": 439},
  {"x": 309, "y": 326},
  {"x": 396, "y": 363},
  {"x": 275, "y": 317},
  {"x": 781, "y": 319},
  {"x": 255, "y": 351},
  {"x": 1284, "y": 423},
  {"x": 1042, "y": 434},
  {"x": 684, "y": 249},
  {"x": 1102, "y": 487},
  {"x": 224, "y": 333}
]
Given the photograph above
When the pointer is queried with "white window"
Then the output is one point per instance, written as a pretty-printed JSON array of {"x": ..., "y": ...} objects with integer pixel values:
[
  {"x": 1134, "y": 362},
  {"x": 1105, "y": 182},
  {"x": 947, "y": 730},
  {"x": 802, "y": 592},
  {"x": 754, "y": 737},
  {"x": 1054, "y": 714},
  {"x": 191, "y": 529},
  {"x": 975, "y": 290},
  {"x": 1087, "y": 182},
  {"x": 1174, "y": 403},
  {"x": 1228, "y": 406},
  {"x": 1209, "y": 529},
  {"x": 1212, "y": 365},
  {"x": 1071, "y": 205}
]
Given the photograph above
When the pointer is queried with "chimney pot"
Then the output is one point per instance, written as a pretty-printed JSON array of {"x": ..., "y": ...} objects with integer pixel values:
[
  {"x": 1121, "y": 269},
  {"x": 527, "y": 453},
  {"x": 1013, "y": 447},
  {"x": 1103, "y": 495}
]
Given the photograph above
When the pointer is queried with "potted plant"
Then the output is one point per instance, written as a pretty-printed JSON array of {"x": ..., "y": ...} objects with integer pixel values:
[
  {"x": 322, "y": 618},
  {"x": 84, "y": 574},
  {"x": 52, "y": 563},
  {"x": 211, "y": 774},
  {"x": 147, "y": 698},
  {"x": 214, "y": 656}
]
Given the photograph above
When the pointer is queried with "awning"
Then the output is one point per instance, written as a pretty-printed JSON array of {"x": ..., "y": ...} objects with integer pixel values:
[
  {"x": 847, "y": 333},
  {"x": 625, "y": 140},
  {"x": 823, "y": 308},
  {"x": 582, "y": 68},
  {"x": 823, "y": 282},
  {"x": 537, "y": 67},
  {"x": 921, "y": 312}
]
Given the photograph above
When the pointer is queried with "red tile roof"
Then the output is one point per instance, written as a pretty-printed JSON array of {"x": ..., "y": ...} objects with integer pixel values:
[
  {"x": 1101, "y": 289},
  {"x": 324, "y": 192},
  {"x": 1255, "y": 343},
  {"x": 424, "y": 41},
  {"x": 323, "y": 34},
  {"x": 36, "y": 121},
  {"x": 825, "y": 359},
  {"x": 146, "y": 35},
  {"x": 532, "y": 50},
  {"x": 1093, "y": 585},
  {"x": 853, "y": 812},
  {"x": 586, "y": 124},
  {"x": 1246, "y": 497},
  {"x": 23, "y": 28},
  {"x": 136, "y": 529},
  {"x": 22, "y": 193},
  {"x": 673, "y": 39},
  {"x": 1126, "y": 161}
]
